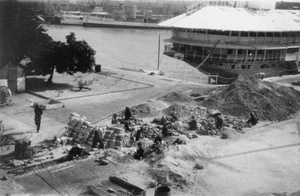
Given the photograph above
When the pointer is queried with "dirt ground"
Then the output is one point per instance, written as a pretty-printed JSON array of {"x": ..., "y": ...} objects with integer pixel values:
[{"x": 262, "y": 161}]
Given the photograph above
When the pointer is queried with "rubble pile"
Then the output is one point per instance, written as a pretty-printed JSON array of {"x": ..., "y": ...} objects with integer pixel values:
[
  {"x": 176, "y": 97},
  {"x": 203, "y": 116},
  {"x": 268, "y": 100},
  {"x": 144, "y": 110}
]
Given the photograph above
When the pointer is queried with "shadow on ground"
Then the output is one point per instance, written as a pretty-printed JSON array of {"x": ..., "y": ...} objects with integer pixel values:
[
  {"x": 41, "y": 84},
  {"x": 107, "y": 73}
]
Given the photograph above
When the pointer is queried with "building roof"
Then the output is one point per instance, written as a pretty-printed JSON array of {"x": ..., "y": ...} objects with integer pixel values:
[{"x": 237, "y": 19}]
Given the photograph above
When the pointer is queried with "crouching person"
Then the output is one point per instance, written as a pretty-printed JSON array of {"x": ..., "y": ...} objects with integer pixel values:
[
  {"x": 253, "y": 120},
  {"x": 140, "y": 153}
]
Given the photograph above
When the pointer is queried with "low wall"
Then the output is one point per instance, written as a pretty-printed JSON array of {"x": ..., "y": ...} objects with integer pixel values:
[
  {"x": 21, "y": 87},
  {"x": 3, "y": 82}
]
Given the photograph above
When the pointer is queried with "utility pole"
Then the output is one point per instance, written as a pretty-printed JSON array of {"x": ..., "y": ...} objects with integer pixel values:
[{"x": 158, "y": 52}]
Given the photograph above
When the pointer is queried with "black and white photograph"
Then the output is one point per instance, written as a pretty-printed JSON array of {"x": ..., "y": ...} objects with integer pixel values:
[{"x": 149, "y": 98}]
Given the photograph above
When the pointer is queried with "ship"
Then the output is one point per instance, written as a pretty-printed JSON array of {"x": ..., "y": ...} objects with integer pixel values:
[
  {"x": 119, "y": 19},
  {"x": 71, "y": 18},
  {"x": 223, "y": 39}
]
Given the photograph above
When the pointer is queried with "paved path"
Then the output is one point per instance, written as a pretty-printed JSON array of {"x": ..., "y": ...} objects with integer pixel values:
[{"x": 132, "y": 88}]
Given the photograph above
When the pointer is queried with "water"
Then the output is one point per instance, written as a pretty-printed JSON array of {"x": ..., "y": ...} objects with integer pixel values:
[{"x": 129, "y": 48}]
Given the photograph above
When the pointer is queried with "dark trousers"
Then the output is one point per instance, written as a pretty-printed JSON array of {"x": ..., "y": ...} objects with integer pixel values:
[{"x": 37, "y": 120}]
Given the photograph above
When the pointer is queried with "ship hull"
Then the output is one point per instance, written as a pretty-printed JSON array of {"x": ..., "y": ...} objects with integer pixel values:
[
  {"x": 122, "y": 24},
  {"x": 71, "y": 22}
]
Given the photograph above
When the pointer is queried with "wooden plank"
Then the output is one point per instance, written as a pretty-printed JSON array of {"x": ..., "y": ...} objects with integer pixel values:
[
  {"x": 99, "y": 191},
  {"x": 128, "y": 186},
  {"x": 62, "y": 168}
]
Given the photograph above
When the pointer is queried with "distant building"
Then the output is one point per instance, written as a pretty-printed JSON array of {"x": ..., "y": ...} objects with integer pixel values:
[{"x": 13, "y": 77}]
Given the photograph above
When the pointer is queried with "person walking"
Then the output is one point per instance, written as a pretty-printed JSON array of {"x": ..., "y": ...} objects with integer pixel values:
[{"x": 37, "y": 117}]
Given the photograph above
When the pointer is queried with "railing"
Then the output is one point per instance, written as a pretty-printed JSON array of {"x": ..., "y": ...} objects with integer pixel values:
[
  {"x": 195, "y": 56},
  {"x": 200, "y": 4}
]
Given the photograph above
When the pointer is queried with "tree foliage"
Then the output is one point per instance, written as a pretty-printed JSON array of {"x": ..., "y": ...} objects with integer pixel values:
[
  {"x": 65, "y": 57},
  {"x": 21, "y": 35},
  {"x": 77, "y": 56},
  {"x": 20, "y": 32}
]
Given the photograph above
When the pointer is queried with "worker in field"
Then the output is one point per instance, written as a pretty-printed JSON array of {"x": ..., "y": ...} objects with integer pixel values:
[
  {"x": 193, "y": 124},
  {"x": 218, "y": 121},
  {"x": 139, "y": 134},
  {"x": 37, "y": 116},
  {"x": 97, "y": 140},
  {"x": 128, "y": 113},
  {"x": 166, "y": 129},
  {"x": 252, "y": 120},
  {"x": 158, "y": 140},
  {"x": 114, "y": 119},
  {"x": 139, "y": 154}
]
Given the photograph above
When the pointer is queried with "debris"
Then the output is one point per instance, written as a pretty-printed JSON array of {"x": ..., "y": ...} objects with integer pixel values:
[
  {"x": 4, "y": 178},
  {"x": 176, "y": 97},
  {"x": 126, "y": 185},
  {"x": 224, "y": 136},
  {"x": 110, "y": 190},
  {"x": 144, "y": 110},
  {"x": 103, "y": 162},
  {"x": 98, "y": 191},
  {"x": 198, "y": 166},
  {"x": 248, "y": 94},
  {"x": 62, "y": 168}
]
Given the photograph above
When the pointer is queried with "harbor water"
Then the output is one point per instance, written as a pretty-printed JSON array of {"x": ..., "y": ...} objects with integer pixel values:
[{"x": 129, "y": 49}]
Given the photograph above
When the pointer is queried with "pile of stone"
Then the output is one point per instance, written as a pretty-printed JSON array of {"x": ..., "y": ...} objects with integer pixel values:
[
  {"x": 78, "y": 128},
  {"x": 23, "y": 150},
  {"x": 83, "y": 132},
  {"x": 113, "y": 138}
]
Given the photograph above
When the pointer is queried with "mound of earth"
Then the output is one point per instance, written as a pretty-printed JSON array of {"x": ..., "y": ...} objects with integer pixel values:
[
  {"x": 176, "y": 97},
  {"x": 176, "y": 110},
  {"x": 144, "y": 110},
  {"x": 268, "y": 100}
]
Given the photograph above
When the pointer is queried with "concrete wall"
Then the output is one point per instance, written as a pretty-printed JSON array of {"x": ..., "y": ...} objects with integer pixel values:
[
  {"x": 3, "y": 82},
  {"x": 21, "y": 87}
]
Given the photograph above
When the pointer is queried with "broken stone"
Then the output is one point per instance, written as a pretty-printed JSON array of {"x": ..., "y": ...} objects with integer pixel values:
[
  {"x": 224, "y": 136},
  {"x": 194, "y": 136},
  {"x": 198, "y": 166},
  {"x": 110, "y": 190},
  {"x": 4, "y": 178}
]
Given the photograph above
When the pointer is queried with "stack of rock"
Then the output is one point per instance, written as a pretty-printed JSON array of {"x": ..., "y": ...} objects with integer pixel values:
[
  {"x": 23, "y": 150},
  {"x": 113, "y": 138},
  {"x": 90, "y": 138},
  {"x": 78, "y": 128},
  {"x": 83, "y": 132}
]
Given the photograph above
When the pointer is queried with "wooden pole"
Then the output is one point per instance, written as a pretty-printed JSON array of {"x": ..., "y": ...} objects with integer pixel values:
[{"x": 158, "y": 52}]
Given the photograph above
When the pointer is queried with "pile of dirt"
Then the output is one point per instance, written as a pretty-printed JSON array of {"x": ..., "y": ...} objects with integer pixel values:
[
  {"x": 176, "y": 97},
  {"x": 247, "y": 94},
  {"x": 172, "y": 172},
  {"x": 144, "y": 110},
  {"x": 176, "y": 110}
]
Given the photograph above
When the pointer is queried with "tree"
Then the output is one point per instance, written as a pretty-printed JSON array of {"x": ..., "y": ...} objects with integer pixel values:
[
  {"x": 20, "y": 31},
  {"x": 70, "y": 57},
  {"x": 21, "y": 35},
  {"x": 78, "y": 56}
]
